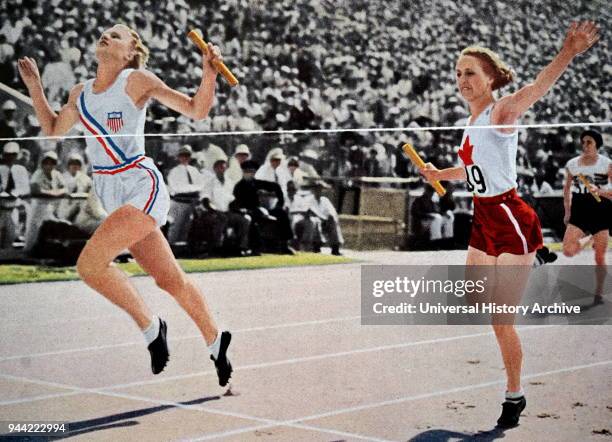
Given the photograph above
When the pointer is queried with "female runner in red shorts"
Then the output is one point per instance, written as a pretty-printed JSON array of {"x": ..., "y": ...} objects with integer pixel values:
[{"x": 505, "y": 230}]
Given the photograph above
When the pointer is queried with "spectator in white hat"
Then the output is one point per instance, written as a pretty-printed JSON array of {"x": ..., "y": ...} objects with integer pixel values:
[
  {"x": 14, "y": 182},
  {"x": 75, "y": 179},
  {"x": 14, "y": 178},
  {"x": 234, "y": 170},
  {"x": 216, "y": 215},
  {"x": 47, "y": 186},
  {"x": 218, "y": 189},
  {"x": 319, "y": 222},
  {"x": 274, "y": 170},
  {"x": 185, "y": 184},
  {"x": 86, "y": 214}
]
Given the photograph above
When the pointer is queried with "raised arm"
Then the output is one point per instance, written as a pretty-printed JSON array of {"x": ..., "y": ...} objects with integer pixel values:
[
  {"x": 579, "y": 38},
  {"x": 52, "y": 123},
  {"x": 143, "y": 85}
]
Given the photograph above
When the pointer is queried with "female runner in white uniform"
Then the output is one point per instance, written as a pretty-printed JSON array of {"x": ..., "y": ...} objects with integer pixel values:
[
  {"x": 505, "y": 231},
  {"x": 129, "y": 185},
  {"x": 584, "y": 215}
]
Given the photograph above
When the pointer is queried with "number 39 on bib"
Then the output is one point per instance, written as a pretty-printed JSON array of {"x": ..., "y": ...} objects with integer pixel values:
[{"x": 475, "y": 179}]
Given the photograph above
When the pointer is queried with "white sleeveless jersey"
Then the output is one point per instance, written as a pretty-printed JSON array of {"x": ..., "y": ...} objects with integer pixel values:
[
  {"x": 596, "y": 173},
  {"x": 489, "y": 157},
  {"x": 110, "y": 113}
]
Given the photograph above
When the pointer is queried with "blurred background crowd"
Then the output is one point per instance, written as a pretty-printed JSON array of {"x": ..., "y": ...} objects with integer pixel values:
[{"x": 316, "y": 64}]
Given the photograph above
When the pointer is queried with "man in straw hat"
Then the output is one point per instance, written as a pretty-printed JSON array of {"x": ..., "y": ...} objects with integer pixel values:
[{"x": 185, "y": 184}]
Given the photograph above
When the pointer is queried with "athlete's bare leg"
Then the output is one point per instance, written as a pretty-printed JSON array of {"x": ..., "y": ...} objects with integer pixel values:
[
  {"x": 156, "y": 258},
  {"x": 123, "y": 228},
  {"x": 510, "y": 285},
  {"x": 600, "y": 244},
  {"x": 479, "y": 266},
  {"x": 507, "y": 338},
  {"x": 571, "y": 240},
  {"x": 477, "y": 257}
]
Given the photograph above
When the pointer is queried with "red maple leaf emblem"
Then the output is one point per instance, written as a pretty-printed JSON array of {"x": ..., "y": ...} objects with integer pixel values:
[{"x": 465, "y": 153}]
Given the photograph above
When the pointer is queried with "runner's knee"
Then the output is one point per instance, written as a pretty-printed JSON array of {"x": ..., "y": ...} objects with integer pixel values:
[
  {"x": 503, "y": 329},
  {"x": 87, "y": 267},
  {"x": 571, "y": 249},
  {"x": 172, "y": 282}
]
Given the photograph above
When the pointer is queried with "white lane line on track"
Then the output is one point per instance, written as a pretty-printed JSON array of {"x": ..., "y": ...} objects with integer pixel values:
[
  {"x": 293, "y": 422},
  {"x": 198, "y": 336},
  {"x": 181, "y": 338},
  {"x": 323, "y": 356},
  {"x": 222, "y": 434},
  {"x": 450, "y": 391},
  {"x": 293, "y": 360},
  {"x": 42, "y": 397},
  {"x": 308, "y": 359},
  {"x": 264, "y": 422},
  {"x": 18, "y": 322}
]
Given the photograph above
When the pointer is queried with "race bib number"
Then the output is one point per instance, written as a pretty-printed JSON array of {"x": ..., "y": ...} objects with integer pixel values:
[{"x": 475, "y": 179}]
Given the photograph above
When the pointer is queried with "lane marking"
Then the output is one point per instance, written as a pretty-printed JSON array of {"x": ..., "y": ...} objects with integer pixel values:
[{"x": 181, "y": 338}]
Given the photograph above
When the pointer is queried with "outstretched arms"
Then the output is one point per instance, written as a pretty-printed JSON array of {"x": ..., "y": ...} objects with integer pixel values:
[{"x": 579, "y": 38}]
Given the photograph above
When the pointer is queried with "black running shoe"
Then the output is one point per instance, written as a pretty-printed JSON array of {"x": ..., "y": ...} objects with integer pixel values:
[
  {"x": 511, "y": 411},
  {"x": 222, "y": 363},
  {"x": 159, "y": 350},
  {"x": 544, "y": 256}
]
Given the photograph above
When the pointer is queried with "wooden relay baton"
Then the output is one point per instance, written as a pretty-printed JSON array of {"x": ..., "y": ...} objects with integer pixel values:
[
  {"x": 195, "y": 37},
  {"x": 585, "y": 181},
  {"x": 418, "y": 162}
]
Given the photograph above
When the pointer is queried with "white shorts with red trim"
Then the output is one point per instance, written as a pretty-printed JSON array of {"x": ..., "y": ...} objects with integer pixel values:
[{"x": 138, "y": 183}]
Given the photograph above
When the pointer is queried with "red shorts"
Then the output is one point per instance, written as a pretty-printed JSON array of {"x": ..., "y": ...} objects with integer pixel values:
[{"x": 505, "y": 224}]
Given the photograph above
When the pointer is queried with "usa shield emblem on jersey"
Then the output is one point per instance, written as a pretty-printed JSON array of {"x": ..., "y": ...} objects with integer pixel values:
[{"x": 114, "y": 121}]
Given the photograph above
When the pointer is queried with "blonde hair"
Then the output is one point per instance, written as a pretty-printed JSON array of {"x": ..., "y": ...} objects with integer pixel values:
[
  {"x": 492, "y": 65},
  {"x": 142, "y": 52}
]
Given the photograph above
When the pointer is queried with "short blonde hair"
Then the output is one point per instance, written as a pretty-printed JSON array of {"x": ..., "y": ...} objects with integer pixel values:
[
  {"x": 142, "y": 52},
  {"x": 492, "y": 65}
]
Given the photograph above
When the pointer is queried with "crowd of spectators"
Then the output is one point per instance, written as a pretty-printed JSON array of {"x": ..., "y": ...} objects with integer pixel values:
[
  {"x": 317, "y": 64},
  {"x": 30, "y": 199},
  {"x": 214, "y": 211}
]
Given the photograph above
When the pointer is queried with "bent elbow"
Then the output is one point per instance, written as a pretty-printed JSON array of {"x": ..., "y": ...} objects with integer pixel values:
[
  {"x": 54, "y": 130},
  {"x": 201, "y": 113},
  {"x": 51, "y": 132}
]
